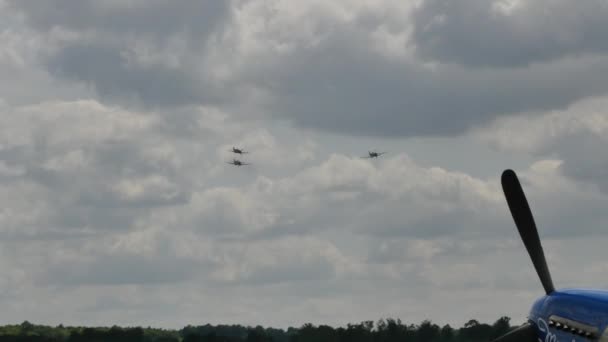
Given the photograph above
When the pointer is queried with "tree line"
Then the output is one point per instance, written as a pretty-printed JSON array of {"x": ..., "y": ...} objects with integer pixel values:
[{"x": 384, "y": 330}]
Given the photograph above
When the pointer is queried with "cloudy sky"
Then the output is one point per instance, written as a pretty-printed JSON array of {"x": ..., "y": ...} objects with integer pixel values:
[{"x": 116, "y": 118}]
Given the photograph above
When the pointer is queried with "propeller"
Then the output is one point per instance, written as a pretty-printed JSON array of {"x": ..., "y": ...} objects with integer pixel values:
[
  {"x": 520, "y": 210},
  {"x": 522, "y": 215}
]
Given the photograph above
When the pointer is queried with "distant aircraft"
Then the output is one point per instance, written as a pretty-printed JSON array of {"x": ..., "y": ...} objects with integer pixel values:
[
  {"x": 237, "y": 162},
  {"x": 571, "y": 314},
  {"x": 237, "y": 150},
  {"x": 373, "y": 154}
]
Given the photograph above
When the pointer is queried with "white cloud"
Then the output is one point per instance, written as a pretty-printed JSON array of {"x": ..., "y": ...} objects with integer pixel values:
[
  {"x": 574, "y": 135},
  {"x": 514, "y": 33},
  {"x": 346, "y": 66},
  {"x": 119, "y": 208},
  {"x": 540, "y": 132}
]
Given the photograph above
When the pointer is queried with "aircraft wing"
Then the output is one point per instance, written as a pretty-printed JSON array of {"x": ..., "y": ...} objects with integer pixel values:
[{"x": 523, "y": 333}]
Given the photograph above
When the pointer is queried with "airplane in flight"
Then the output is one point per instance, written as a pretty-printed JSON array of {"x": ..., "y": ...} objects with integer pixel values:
[
  {"x": 238, "y": 150},
  {"x": 237, "y": 162},
  {"x": 569, "y": 314},
  {"x": 373, "y": 154}
]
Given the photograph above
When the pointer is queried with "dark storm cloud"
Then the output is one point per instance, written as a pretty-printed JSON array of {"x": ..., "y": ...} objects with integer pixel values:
[
  {"x": 198, "y": 18},
  {"x": 584, "y": 158},
  {"x": 592, "y": 171},
  {"x": 113, "y": 30},
  {"x": 478, "y": 33},
  {"x": 108, "y": 70},
  {"x": 341, "y": 86},
  {"x": 343, "y": 83}
]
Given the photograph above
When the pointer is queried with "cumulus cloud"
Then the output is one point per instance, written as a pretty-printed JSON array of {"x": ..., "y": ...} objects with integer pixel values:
[
  {"x": 156, "y": 18},
  {"x": 347, "y": 67},
  {"x": 20, "y": 62},
  {"x": 86, "y": 165},
  {"x": 116, "y": 128},
  {"x": 96, "y": 192},
  {"x": 144, "y": 53},
  {"x": 357, "y": 73},
  {"x": 508, "y": 33},
  {"x": 574, "y": 135}
]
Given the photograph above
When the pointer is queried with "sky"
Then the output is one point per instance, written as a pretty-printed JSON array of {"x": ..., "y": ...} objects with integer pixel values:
[{"x": 117, "y": 118}]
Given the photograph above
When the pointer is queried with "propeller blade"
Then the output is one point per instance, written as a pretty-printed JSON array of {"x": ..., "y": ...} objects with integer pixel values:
[
  {"x": 522, "y": 215},
  {"x": 524, "y": 333}
]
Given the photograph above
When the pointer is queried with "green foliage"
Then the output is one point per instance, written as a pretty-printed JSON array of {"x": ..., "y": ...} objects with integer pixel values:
[{"x": 384, "y": 330}]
